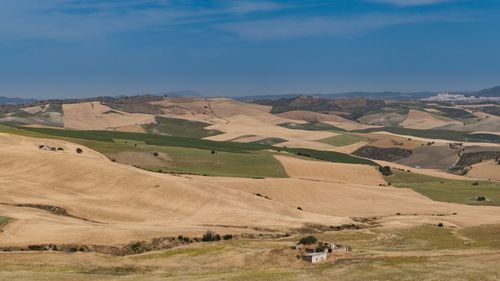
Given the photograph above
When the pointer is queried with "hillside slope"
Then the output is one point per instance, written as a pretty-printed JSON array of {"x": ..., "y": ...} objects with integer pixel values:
[{"x": 113, "y": 203}]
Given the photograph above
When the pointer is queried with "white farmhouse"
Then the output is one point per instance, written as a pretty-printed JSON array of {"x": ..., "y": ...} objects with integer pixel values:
[{"x": 315, "y": 257}]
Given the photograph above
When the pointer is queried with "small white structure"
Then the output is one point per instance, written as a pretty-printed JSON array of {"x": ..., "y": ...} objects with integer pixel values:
[{"x": 315, "y": 257}]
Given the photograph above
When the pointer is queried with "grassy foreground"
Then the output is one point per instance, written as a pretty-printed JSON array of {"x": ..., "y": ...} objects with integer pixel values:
[
  {"x": 456, "y": 191},
  {"x": 426, "y": 252}
]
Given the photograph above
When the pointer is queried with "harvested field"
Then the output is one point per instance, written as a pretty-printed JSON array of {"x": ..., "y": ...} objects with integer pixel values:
[
  {"x": 343, "y": 140},
  {"x": 488, "y": 170},
  {"x": 35, "y": 109},
  {"x": 387, "y": 154},
  {"x": 130, "y": 204},
  {"x": 331, "y": 172},
  {"x": 180, "y": 127},
  {"x": 383, "y": 119},
  {"x": 387, "y": 141},
  {"x": 95, "y": 116},
  {"x": 360, "y": 200},
  {"x": 424, "y": 120},
  {"x": 487, "y": 123},
  {"x": 431, "y": 157},
  {"x": 331, "y": 119}
]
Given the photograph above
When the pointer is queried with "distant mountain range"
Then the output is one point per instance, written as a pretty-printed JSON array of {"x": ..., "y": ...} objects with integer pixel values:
[
  {"x": 359, "y": 94},
  {"x": 490, "y": 92},
  {"x": 7, "y": 100}
]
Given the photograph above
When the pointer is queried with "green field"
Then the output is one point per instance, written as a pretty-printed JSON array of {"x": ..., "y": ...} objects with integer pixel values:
[
  {"x": 330, "y": 156},
  {"x": 311, "y": 126},
  {"x": 270, "y": 141},
  {"x": 456, "y": 191},
  {"x": 342, "y": 140},
  {"x": 4, "y": 221},
  {"x": 194, "y": 161},
  {"x": 151, "y": 139},
  {"x": 180, "y": 127}
]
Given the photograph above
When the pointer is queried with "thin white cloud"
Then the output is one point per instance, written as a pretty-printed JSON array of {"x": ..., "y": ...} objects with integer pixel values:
[
  {"x": 408, "y": 3},
  {"x": 289, "y": 28},
  {"x": 62, "y": 19}
]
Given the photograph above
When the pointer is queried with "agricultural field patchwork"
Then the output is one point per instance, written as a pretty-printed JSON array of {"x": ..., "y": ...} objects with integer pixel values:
[{"x": 47, "y": 115}]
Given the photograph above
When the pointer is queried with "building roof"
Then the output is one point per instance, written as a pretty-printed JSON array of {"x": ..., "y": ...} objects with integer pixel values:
[{"x": 314, "y": 254}]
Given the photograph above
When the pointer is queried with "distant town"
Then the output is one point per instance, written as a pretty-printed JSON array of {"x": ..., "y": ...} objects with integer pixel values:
[{"x": 444, "y": 96}]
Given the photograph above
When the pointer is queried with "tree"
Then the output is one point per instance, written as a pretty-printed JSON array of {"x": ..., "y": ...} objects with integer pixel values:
[
  {"x": 79, "y": 150},
  {"x": 385, "y": 170},
  {"x": 308, "y": 240}
]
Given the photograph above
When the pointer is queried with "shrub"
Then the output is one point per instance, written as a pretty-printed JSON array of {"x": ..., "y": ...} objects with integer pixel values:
[
  {"x": 308, "y": 240},
  {"x": 155, "y": 153},
  {"x": 79, "y": 150},
  {"x": 385, "y": 170},
  {"x": 479, "y": 198},
  {"x": 475, "y": 183},
  {"x": 299, "y": 208},
  {"x": 440, "y": 224},
  {"x": 210, "y": 236},
  {"x": 320, "y": 248},
  {"x": 227, "y": 237}
]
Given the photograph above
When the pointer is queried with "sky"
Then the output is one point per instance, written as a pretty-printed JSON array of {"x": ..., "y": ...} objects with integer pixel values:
[{"x": 77, "y": 48}]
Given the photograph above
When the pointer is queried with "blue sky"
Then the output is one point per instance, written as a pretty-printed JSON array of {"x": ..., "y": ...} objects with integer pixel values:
[{"x": 71, "y": 48}]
